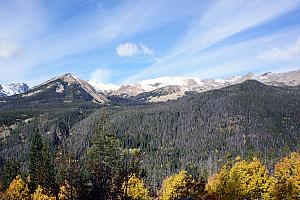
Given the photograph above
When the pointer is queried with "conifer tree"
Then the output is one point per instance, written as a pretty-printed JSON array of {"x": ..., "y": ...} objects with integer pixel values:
[
  {"x": 10, "y": 171},
  {"x": 41, "y": 167},
  {"x": 103, "y": 162},
  {"x": 36, "y": 161}
]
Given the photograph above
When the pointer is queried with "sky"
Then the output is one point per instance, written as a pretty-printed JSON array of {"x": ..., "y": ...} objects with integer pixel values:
[{"x": 126, "y": 41}]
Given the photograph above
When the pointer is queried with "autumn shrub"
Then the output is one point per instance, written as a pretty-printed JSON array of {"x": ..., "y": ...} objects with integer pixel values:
[
  {"x": 245, "y": 180},
  {"x": 177, "y": 186},
  {"x": 18, "y": 189},
  {"x": 287, "y": 178},
  {"x": 135, "y": 189}
]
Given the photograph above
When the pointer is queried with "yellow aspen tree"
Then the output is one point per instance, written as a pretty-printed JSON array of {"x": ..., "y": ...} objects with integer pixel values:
[
  {"x": 249, "y": 180},
  {"x": 287, "y": 178},
  {"x": 177, "y": 186},
  {"x": 216, "y": 185},
  {"x": 18, "y": 189},
  {"x": 136, "y": 189},
  {"x": 245, "y": 180}
]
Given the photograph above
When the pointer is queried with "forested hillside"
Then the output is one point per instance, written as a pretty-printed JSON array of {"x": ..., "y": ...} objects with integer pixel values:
[
  {"x": 199, "y": 132},
  {"x": 202, "y": 131}
]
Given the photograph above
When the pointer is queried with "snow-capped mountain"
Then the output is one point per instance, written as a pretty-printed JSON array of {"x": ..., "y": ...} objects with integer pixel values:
[
  {"x": 151, "y": 90},
  {"x": 159, "y": 89},
  {"x": 67, "y": 88},
  {"x": 13, "y": 88}
]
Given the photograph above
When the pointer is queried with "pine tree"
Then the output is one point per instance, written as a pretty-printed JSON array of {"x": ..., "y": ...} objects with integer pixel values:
[
  {"x": 11, "y": 170},
  {"x": 103, "y": 162},
  {"x": 41, "y": 167},
  {"x": 48, "y": 180},
  {"x": 36, "y": 161}
]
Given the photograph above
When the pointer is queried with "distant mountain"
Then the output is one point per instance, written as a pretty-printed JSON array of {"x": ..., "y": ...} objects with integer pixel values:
[
  {"x": 162, "y": 89},
  {"x": 63, "y": 89},
  {"x": 151, "y": 90},
  {"x": 13, "y": 88},
  {"x": 169, "y": 92}
]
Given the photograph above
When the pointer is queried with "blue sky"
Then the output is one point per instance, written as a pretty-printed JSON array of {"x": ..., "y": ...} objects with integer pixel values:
[{"x": 125, "y": 41}]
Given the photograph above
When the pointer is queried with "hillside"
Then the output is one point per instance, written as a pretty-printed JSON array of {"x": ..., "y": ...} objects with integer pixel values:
[{"x": 202, "y": 131}]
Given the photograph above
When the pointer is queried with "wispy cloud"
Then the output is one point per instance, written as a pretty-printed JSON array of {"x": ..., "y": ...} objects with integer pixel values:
[
  {"x": 146, "y": 50},
  {"x": 287, "y": 53},
  {"x": 46, "y": 36},
  {"x": 221, "y": 20},
  {"x": 49, "y": 31}
]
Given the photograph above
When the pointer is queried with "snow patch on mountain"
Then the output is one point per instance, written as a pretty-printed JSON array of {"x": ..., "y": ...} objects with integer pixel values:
[{"x": 13, "y": 88}]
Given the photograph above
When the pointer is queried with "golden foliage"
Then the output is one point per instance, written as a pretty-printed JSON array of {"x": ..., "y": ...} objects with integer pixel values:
[
  {"x": 215, "y": 185},
  {"x": 180, "y": 185},
  {"x": 136, "y": 189},
  {"x": 18, "y": 189},
  {"x": 42, "y": 194},
  {"x": 287, "y": 178},
  {"x": 245, "y": 180}
]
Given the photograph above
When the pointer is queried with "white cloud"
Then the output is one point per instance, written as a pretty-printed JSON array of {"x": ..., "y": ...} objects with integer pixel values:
[
  {"x": 291, "y": 52},
  {"x": 127, "y": 50},
  {"x": 133, "y": 49}
]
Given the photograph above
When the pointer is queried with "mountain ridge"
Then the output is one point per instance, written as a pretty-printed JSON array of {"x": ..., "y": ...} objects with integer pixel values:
[{"x": 154, "y": 90}]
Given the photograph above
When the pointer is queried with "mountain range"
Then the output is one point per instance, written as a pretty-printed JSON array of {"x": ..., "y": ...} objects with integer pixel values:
[{"x": 152, "y": 90}]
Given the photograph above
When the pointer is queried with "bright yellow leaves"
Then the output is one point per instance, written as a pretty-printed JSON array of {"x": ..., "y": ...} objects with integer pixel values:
[
  {"x": 250, "y": 180},
  {"x": 245, "y": 180},
  {"x": 136, "y": 189},
  {"x": 287, "y": 178},
  {"x": 177, "y": 186},
  {"x": 42, "y": 194},
  {"x": 18, "y": 189}
]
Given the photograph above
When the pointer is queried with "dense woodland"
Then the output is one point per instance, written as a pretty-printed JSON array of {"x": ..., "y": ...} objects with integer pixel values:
[{"x": 199, "y": 146}]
